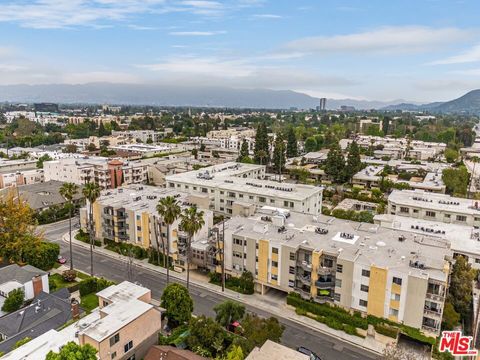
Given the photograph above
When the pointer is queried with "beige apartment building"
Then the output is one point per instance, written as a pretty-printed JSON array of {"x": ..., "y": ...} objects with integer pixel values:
[
  {"x": 107, "y": 173},
  {"x": 434, "y": 207},
  {"x": 234, "y": 185},
  {"x": 392, "y": 274},
  {"x": 129, "y": 214},
  {"x": 123, "y": 327}
]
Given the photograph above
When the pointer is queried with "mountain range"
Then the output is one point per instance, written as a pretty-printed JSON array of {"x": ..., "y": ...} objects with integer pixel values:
[{"x": 213, "y": 96}]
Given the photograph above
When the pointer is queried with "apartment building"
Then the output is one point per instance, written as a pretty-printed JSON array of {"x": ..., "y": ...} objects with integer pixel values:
[
  {"x": 397, "y": 148},
  {"x": 20, "y": 177},
  {"x": 145, "y": 136},
  {"x": 464, "y": 240},
  {"x": 123, "y": 327},
  {"x": 384, "y": 272},
  {"x": 107, "y": 173},
  {"x": 232, "y": 184},
  {"x": 239, "y": 132},
  {"x": 434, "y": 207},
  {"x": 129, "y": 214}
]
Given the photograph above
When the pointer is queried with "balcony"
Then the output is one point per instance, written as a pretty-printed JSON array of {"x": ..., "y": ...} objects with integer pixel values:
[
  {"x": 324, "y": 284},
  {"x": 325, "y": 270},
  {"x": 322, "y": 299},
  {"x": 430, "y": 329},
  {"x": 435, "y": 297},
  {"x": 304, "y": 293},
  {"x": 306, "y": 280},
  {"x": 432, "y": 312},
  {"x": 305, "y": 265}
]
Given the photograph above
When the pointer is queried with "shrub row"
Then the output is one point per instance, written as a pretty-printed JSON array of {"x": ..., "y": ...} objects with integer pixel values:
[
  {"x": 328, "y": 311},
  {"x": 84, "y": 237},
  {"x": 386, "y": 330},
  {"x": 125, "y": 249},
  {"x": 243, "y": 284}
]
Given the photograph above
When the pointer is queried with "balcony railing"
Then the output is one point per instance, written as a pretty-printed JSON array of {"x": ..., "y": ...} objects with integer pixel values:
[
  {"x": 307, "y": 280},
  {"x": 430, "y": 328},
  {"x": 305, "y": 265},
  {"x": 325, "y": 270},
  {"x": 435, "y": 297},
  {"x": 324, "y": 284},
  {"x": 434, "y": 312}
]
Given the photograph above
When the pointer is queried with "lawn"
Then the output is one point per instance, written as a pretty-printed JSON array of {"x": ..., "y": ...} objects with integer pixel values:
[
  {"x": 56, "y": 282},
  {"x": 82, "y": 275},
  {"x": 89, "y": 302}
]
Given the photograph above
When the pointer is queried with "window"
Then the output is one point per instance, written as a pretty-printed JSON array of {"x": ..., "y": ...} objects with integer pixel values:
[
  {"x": 128, "y": 346},
  {"x": 240, "y": 196},
  {"x": 461, "y": 218},
  {"x": 477, "y": 261},
  {"x": 274, "y": 263},
  {"x": 430, "y": 213},
  {"x": 114, "y": 339},
  {"x": 395, "y": 297},
  {"x": 275, "y": 277},
  {"x": 292, "y": 256},
  {"x": 222, "y": 192},
  {"x": 404, "y": 210},
  {"x": 138, "y": 217},
  {"x": 105, "y": 303},
  {"x": 394, "y": 312},
  {"x": 204, "y": 190},
  {"x": 291, "y": 270},
  {"x": 364, "y": 288},
  {"x": 397, "y": 280},
  {"x": 285, "y": 203},
  {"x": 262, "y": 199},
  {"x": 339, "y": 268},
  {"x": 366, "y": 273},
  {"x": 338, "y": 282},
  {"x": 415, "y": 211},
  {"x": 291, "y": 283},
  {"x": 336, "y": 297},
  {"x": 114, "y": 355},
  {"x": 274, "y": 250},
  {"x": 131, "y": 357},
  {"x": 139, "y": 228},
  {"x": 362, "y": 302},
  {"x": 447, "y": 216}
]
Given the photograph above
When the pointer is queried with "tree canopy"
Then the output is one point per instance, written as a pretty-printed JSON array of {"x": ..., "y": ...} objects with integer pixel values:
[
  {"x": 178, "y": 304},
  {"x": 73, "y": 351}
]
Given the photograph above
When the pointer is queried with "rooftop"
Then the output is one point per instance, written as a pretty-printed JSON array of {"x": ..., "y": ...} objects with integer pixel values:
[
  {"x": 364, "y": 243},
  {"x": 272, "y": 350},
  {"x": 21, "y": 274}
]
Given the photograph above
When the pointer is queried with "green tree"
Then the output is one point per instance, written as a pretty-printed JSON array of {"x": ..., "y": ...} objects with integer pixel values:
[
  {"x": 191, "y": 222},
  {"x": 451, "y": 155},
  {"x": 22, "y": 342},
  {"x": 206, "y": 337},
  {"x": 292, "y": 145},
  {"x": 91, "y": 191},
  {"x": 70, "y": 148},
  {"x": 102, "y": 131},
  {"x": 14, "y": 301},
  {"x": 73, "y": 351},
  {"x": 456, "y": 180},
  {"x": 450, "y": 317},
  {"x": 261, "y": 150},
  {"x": 177, "y": 303},
  {"x": 244, "y": 153},
  {"x": 169, "y": 209},
  {"x": 335, "y": 164},
  {"x": 310, "y": 144},
  {"x": 42, "y": 159},
  {"x": 228, "y": 312},
  {"x": 354, "y": 164},
  {"x": 279, "y": 158},
  {"x": 68, "y": 192},
  {"x": 460, "y": 290},
  {"x": 386, "y": 124},
  {"x": 258, "y": 330}
]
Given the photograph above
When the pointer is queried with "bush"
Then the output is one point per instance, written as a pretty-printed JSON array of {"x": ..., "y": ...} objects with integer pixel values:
[
  {"x": 69, "y": 275},
  {"x": 243, "y": 284},
  {"x": 126, "y": 249},
  {"x": 14, "y": 301},
  {"x": 92, "y": 285},
  {"x": 21, "y": 342},
  {"x": 386, "y": 330},
  {"x": 84, "y": 237},
  {"x": 153, "y": 255}
]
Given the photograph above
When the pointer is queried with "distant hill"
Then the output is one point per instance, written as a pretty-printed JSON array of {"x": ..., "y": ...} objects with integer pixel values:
[
  {"x": 136, "y": 94},
  {"x": 468, "y": 103}
]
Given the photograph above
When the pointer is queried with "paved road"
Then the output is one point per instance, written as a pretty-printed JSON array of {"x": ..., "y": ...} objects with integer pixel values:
[{"x": 328, "y": 347}]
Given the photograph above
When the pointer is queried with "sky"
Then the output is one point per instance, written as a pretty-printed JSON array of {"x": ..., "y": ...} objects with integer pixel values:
[{"x": 417, "y": 50}]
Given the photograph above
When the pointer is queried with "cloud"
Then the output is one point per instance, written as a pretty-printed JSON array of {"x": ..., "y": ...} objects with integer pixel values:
[
  {"x": 471, "y": 55},
  {"x": 468, "y": 72},
  {"x": 400, "y": 39},
  {"x": 196, "y": 33},
  {"x": 141, "y": 27},
  {"x": 98, "y": 76},
  {"x": 267, "y": 16},
  {"x": 12, "y": 67}
]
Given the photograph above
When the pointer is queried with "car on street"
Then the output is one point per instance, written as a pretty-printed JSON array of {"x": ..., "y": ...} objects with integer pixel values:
[
  {"x": 309, "y": 353},
  {"x": 61, "y": 259}
]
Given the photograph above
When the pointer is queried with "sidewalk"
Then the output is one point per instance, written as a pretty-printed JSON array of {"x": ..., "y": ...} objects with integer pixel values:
[{"x": 275, "y": 306}]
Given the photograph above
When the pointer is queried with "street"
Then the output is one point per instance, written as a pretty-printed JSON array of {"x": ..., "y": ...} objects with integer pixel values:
[{"x": 326, "y": 346}]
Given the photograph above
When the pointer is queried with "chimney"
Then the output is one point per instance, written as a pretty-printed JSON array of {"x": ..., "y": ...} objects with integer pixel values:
[
  {"x": 37, "y": 285},
  {"x": 75, "y": 309}
]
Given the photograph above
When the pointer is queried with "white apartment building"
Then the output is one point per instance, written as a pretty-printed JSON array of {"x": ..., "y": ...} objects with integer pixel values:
[
  {"x": 234, "y": 186},
  {"x": 107, "y": 173},
  {"x": 238, "y": 132},
  {"x": 143, "y": 135},
  {"x": 20, "y": 177},
  {"x": 419, "y": 204}
]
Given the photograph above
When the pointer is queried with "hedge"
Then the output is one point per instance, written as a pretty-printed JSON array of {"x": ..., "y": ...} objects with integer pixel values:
[
  {"x": 123, "y": 248},
  {"x": 243, "y": 284},
  {"x": 328, "y": 311},
  {"x": 44, "y": 256},
  {"x": 386, "y": 330},
  {"x": 92, "y": 284},
  {"x": 84, "y": 237}
]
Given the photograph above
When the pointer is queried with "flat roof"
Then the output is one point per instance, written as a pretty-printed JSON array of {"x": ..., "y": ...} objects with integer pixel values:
[
  {"x": 434, "y": 201},
  {"x": 363, "y": 243},
  {"x": 272, "y": 350}
]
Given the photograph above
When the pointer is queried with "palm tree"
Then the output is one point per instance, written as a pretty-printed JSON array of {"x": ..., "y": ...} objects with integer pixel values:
[
  {"x": 192, "y": 221},
  {"x": 169, "y": 209},
  {"x": 68, "y": 192},
  {"x": 91, "y": 191}
]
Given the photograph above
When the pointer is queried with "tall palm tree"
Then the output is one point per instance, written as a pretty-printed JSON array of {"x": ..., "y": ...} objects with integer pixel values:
[
  {"x": 91, "y": 191},
  {"x": 68, "y": 192},
  {"x": 191, "y": 222},
  {"x": 169, "y": 209}
]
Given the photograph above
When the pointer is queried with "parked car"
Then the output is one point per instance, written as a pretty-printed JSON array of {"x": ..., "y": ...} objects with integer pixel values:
[
  {"x": 61, "y": 259},
  {"x": 308, "y": 352}
]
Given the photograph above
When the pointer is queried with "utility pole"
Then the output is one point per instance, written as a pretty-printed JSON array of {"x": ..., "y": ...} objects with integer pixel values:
[{"x": 223, "y": 255}]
